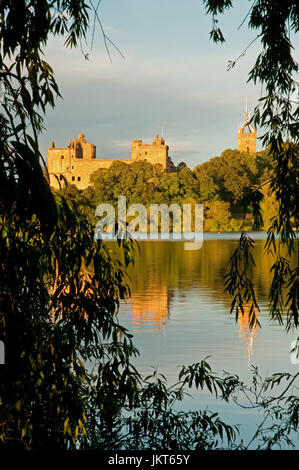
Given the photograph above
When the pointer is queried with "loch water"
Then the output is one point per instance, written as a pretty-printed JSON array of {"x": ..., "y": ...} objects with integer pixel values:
[{"x": 179, "y": 314}]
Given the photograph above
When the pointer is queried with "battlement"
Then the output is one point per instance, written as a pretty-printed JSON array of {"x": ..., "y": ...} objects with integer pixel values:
[
  {"x": 77, "y": 161},
  {"x": 155, "y": 153}
]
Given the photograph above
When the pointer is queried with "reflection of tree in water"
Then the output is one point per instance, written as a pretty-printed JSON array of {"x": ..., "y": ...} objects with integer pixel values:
[{"x": 167, "y": 263}]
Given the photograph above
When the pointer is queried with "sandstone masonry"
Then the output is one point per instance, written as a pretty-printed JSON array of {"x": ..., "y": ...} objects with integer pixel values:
[{"x": 77, "y": 161}]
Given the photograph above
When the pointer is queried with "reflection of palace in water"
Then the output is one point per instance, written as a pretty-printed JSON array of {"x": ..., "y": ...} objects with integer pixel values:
[
  {"x": 150, "y": 312},
  {"x": 164, "y": 270},
  {"x": 248, "y": 332},
  {"x": 150, "y": 309}
]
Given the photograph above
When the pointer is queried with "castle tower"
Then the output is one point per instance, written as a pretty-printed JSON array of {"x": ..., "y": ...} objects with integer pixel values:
[
  {"x": 246, "y": 134},
  {"x": 76, "y": 162},
  {"x": 155, "y": 153}
]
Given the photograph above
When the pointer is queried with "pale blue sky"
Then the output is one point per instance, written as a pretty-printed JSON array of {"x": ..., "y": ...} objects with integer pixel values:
[{"x": 173, "y": 77}]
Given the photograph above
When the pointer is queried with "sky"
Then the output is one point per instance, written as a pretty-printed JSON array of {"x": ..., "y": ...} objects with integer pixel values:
[{"x": 172, "y": 78}]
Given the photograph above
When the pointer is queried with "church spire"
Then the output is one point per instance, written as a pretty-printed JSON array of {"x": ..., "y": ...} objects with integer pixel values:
[{"x": 247, "y": 118}]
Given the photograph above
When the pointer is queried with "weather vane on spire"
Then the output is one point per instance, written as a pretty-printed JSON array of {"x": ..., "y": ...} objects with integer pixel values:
[{"x": 247, "y": 118}]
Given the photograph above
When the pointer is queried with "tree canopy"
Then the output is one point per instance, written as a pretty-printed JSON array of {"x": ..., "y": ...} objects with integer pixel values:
[
  {"x": 230, "y": 174},
  {"x": 220, "y": 184}
]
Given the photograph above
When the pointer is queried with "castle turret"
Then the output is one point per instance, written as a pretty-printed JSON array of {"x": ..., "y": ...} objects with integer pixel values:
[
  {"x": 84, "y": 149},
  {"x": 155, "y": 153},
  {"x": 135, "y": 149}
]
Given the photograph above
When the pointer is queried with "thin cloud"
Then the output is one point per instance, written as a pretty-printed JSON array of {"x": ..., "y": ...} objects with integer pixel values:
[
  {"x": 122, "y": 144},
  {"x": 197, "y": 102}
]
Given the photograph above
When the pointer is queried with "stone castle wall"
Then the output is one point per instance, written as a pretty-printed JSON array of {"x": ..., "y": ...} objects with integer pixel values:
[{"x": 77, "y": 161}]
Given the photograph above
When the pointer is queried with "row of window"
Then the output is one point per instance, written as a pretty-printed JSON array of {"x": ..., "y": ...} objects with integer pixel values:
[
  {"x": 73, "y": 178},
  {"x": 67, "y": 168}
]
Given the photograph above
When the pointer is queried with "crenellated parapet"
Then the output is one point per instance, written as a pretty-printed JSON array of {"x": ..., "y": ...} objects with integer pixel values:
[{"x": 77, "y": 161}]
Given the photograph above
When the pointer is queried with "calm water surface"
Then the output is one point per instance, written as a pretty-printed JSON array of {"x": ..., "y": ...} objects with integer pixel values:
[{"x": 179, "y": 314}]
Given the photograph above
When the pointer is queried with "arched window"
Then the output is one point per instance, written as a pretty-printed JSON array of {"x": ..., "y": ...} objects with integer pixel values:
[
  {"x": 62, "y": 157},
  {"x": 79, "y": 178}
]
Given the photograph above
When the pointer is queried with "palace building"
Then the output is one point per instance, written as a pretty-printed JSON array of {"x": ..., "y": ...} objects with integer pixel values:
[{"x": 77, "y": 161}]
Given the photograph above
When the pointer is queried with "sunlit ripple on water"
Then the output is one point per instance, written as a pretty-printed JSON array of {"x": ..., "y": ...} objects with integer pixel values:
[{"x": 179, "y": 315}]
